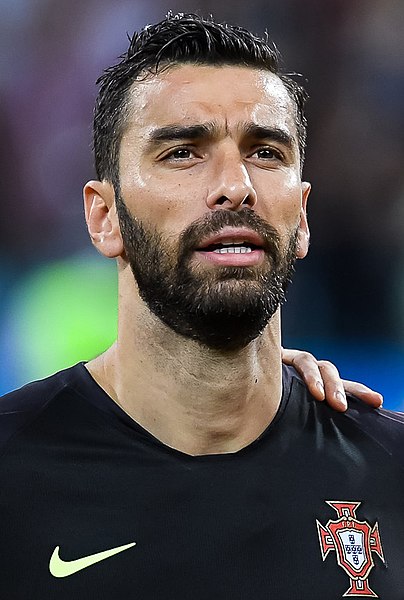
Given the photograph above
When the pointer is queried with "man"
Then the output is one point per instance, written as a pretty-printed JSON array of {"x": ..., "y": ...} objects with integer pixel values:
[{"x": 183, "y": 462}]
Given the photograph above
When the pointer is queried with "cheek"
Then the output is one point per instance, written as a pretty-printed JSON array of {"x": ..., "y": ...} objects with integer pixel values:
[
  {"x": 280, "y": 200},
  {"x": 170, "y": 206}
]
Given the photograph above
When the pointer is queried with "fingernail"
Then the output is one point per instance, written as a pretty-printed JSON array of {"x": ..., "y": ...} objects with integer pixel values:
[
  {"x": 320, "y": 386},
  {"x": 381, "y": 400},
  {"x": 340, "y": 396}
]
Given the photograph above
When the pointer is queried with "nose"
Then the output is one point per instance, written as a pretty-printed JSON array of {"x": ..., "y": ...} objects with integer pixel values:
[{"x": 231, "y": 187}]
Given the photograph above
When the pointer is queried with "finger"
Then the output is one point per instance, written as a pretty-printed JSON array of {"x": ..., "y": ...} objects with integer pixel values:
[
  {"x": 333, "y": 386},
  {"x": 363, "y": 393},
  {"x": 307, "y": 367}
]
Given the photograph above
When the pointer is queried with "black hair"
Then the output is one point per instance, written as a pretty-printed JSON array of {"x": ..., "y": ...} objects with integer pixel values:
[{"x": 178, "y": 39}]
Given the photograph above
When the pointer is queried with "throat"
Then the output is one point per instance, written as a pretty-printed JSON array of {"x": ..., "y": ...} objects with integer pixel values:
[
  {"x": 211, "y": 409},
  {"x": 225, "y": 431},
  {"x": 188, "y": 396}
]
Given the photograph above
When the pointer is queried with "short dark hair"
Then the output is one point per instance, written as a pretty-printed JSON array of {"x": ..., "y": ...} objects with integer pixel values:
[{"x": 178, "y": 39}]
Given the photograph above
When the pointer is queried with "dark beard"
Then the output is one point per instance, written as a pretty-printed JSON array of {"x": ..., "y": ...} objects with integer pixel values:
[{"x": 224, "y": 308}]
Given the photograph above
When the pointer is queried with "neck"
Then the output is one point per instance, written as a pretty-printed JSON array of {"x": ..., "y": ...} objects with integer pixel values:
[{"x": 192, "y": 398}]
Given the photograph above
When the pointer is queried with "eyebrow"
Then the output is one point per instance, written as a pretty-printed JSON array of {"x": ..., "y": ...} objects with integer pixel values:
[
  {"x": 180, "y": 132},
  {"x": 206, "y": 130},
  {"x": 270, "y": 133}
]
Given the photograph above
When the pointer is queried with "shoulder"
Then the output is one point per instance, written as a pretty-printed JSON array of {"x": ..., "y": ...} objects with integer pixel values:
[
  {"x": 20, "y": 407},
  {"x": 384, "y": 427}
]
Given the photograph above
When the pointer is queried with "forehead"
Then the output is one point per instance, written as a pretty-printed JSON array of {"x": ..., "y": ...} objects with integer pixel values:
[{"x": 190, "y": 94}]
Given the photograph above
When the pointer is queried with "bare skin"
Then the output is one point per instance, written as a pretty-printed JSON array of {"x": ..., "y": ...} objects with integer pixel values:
[
  {"x": 324, "y": 382},
  {"x": 192, "y": 398}
]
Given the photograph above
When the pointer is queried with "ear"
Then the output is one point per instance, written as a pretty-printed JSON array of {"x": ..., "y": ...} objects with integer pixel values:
[
  {"x": 102, "y": 219},
  {"x": 303, "y": 236}
]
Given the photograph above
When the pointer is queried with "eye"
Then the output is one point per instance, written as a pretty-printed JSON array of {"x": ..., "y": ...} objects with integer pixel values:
[
  {"x": 268, "y": 154},
  {"x": 182, "y": 153}
]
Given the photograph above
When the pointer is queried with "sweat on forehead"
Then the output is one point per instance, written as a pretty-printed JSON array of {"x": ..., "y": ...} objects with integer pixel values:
[
  {"x": 179, "y": 39},
  {"x": 204, "y": 105},
  {"x": 189, "y": 95}
]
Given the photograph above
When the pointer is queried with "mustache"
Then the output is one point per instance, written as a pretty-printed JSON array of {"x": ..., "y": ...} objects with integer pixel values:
[{"x": 213, "y": 222}]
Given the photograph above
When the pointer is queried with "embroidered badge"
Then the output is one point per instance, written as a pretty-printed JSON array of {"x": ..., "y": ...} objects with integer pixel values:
[{"x": 354, "y": 542}]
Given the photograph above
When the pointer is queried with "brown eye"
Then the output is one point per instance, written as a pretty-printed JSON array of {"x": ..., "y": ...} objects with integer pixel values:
[
  {"x": 180, "y": 154},
  {"x": 266, "y": 154}
]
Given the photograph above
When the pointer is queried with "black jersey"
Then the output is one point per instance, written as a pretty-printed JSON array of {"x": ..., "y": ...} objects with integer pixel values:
[{"x": 93, "y": 507}]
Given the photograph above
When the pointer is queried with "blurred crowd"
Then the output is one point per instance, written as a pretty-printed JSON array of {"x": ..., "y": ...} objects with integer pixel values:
[{"x": 57, "y": 296}]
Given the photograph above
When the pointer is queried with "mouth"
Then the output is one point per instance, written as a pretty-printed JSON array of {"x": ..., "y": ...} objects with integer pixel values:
[
  {"x": 232, "y": 237},
  {"x": 233, "y": 247}
]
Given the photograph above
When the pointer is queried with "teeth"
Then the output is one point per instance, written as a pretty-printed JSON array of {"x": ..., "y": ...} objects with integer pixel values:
[{"x": 233, "y": 250}]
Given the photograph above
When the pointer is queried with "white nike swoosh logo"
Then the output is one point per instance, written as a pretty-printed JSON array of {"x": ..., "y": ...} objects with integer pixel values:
[{"x": 62, "y": 568}]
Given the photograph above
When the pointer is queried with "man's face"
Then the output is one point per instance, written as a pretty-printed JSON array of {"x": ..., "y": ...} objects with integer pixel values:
[{"x": 211, "y": 206}]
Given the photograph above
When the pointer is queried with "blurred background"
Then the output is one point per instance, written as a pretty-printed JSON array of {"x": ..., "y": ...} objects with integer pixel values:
[{"x": 58, "y": 297}]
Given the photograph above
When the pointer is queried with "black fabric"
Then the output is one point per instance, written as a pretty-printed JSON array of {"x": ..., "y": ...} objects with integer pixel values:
[{"x": 77, "y": 472}]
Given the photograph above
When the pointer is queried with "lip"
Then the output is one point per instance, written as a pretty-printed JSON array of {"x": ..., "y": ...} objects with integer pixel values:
[
  {"x": 254, "y": 258},
  {"x": 233, "y": 234},
  {"x": 236, "y": 235}
]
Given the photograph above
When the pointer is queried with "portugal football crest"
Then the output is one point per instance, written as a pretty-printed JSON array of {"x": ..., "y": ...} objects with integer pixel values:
[{"x": 353, "y": 542}]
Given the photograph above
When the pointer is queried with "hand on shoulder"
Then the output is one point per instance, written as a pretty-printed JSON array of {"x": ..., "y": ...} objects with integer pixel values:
[{"x": 324, "y": 382}]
